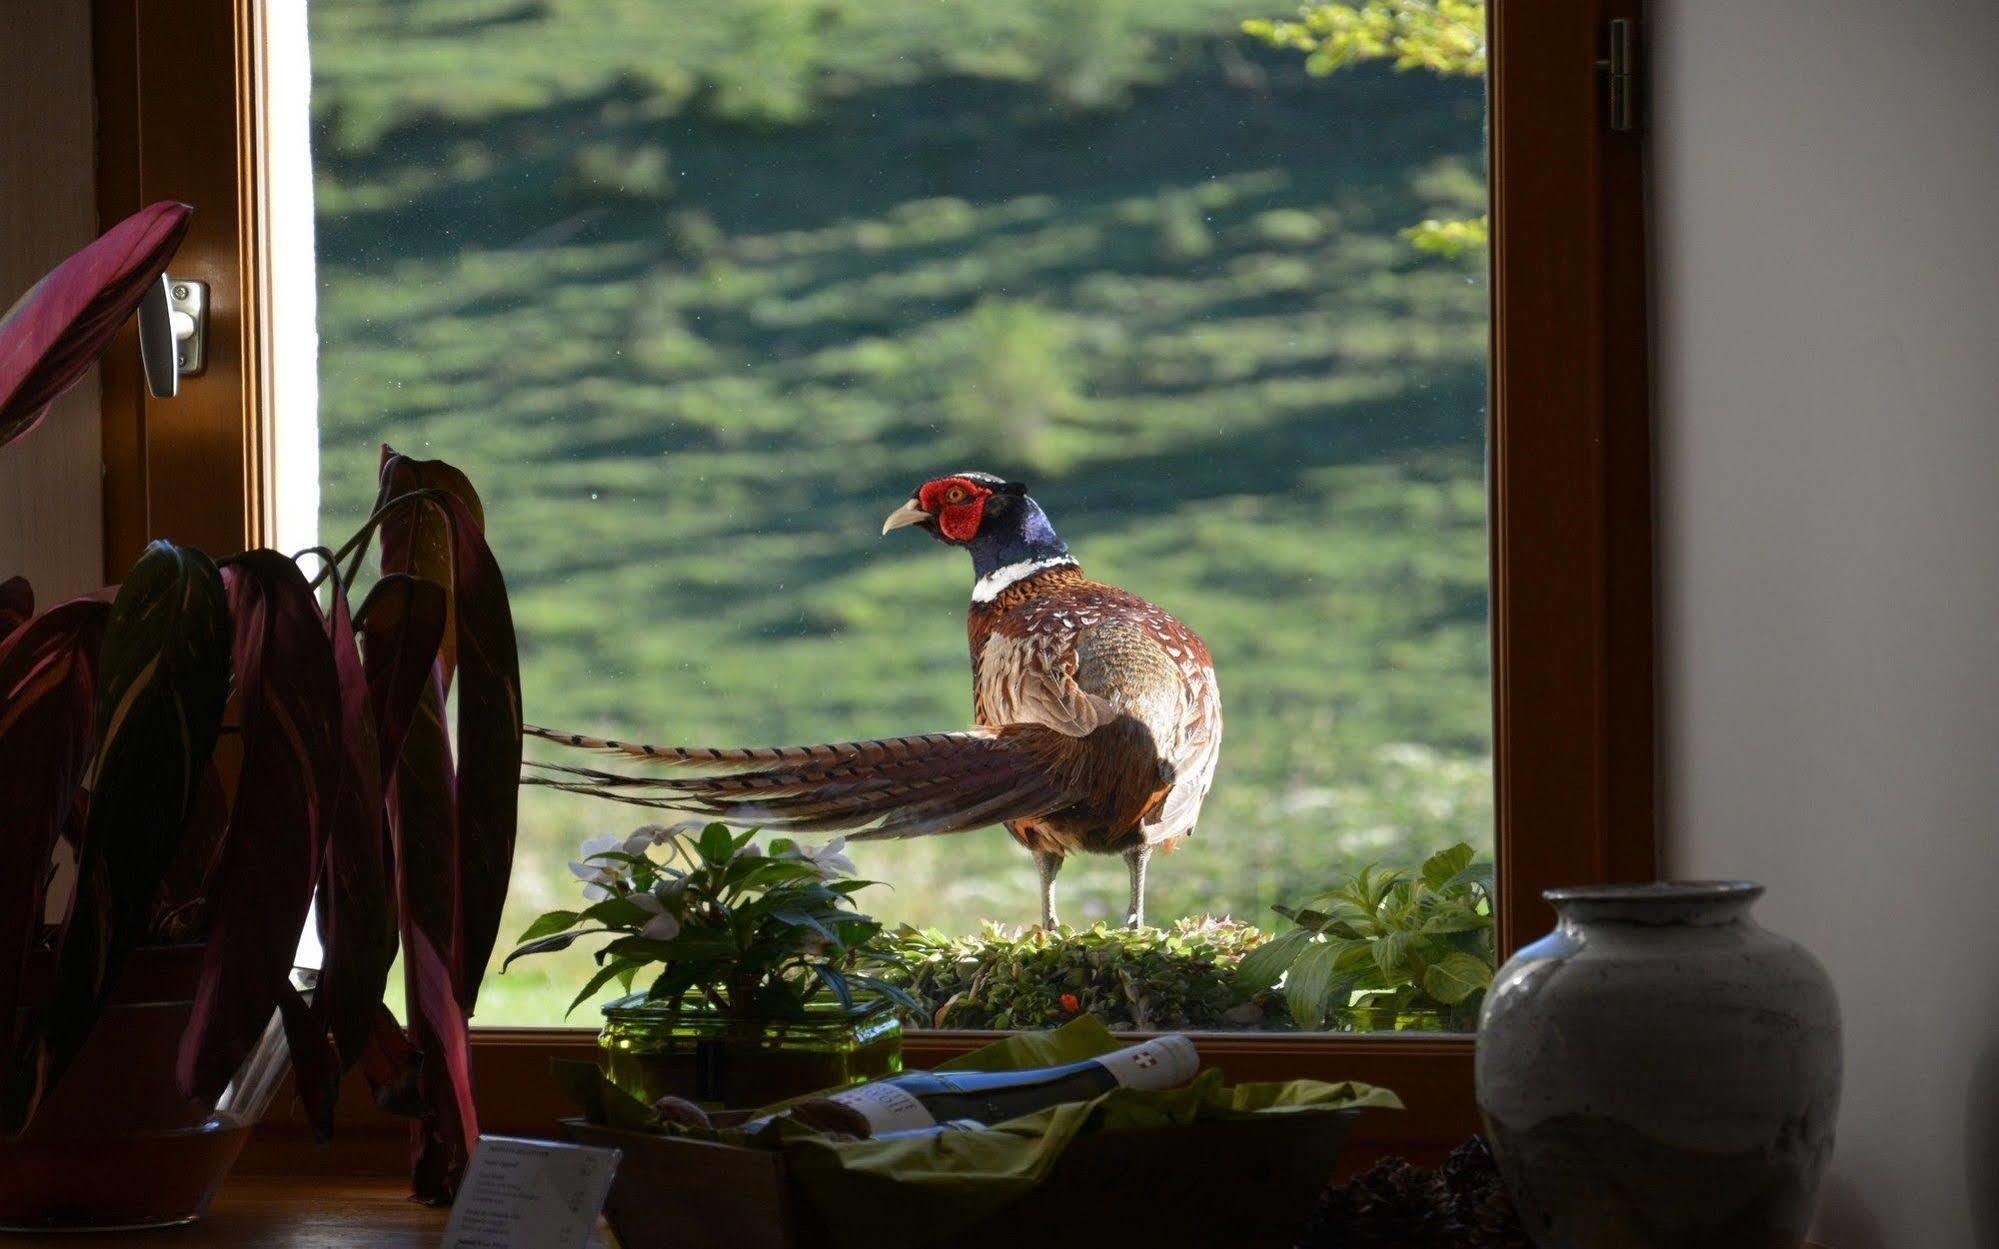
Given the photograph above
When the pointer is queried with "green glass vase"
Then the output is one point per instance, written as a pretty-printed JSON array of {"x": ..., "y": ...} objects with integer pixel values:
[{"x": 651, "y": 1051}]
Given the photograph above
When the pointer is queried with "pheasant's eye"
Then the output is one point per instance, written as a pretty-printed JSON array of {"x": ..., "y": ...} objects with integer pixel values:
[{"x": 957, "y": 494}]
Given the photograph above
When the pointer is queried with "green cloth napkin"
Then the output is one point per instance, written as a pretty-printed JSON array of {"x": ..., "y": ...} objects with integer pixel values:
[
  {"x": 895, "y": 1193},
  {"x": 904, "y": 1192}
]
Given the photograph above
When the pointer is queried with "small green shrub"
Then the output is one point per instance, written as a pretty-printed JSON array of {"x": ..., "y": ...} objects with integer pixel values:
[
  {"x": 1178, "y": 977},
  {"x": 1386, "y": 951},
  {"x": 1018, "y": 378}
]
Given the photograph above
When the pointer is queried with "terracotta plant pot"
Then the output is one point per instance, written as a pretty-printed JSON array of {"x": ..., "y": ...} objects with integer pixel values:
[{"x": 115, "y": 1144}]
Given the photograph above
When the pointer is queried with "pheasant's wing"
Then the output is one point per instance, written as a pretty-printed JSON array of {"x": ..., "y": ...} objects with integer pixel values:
[
  {"x": 1027, "y": 675},
  {"x": 1158, "y": 671},
  {"x": 1199, "y": 750},
  {"x": 1095, "y": 657}
]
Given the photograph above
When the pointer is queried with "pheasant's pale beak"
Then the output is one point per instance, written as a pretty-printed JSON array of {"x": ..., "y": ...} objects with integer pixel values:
[{"x": 908, "y": 514}]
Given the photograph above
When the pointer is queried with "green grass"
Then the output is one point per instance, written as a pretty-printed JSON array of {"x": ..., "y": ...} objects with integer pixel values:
[{"x": 696, "y": 300}]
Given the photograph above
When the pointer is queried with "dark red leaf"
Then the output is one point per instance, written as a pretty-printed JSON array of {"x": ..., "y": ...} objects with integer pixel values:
[
  {"x": 393, "y": 1066},
  {"x": 452, "y": 824},
  {"x": 315, "y": 1068},
  {"x": 289, "y": 701},
  {"x": 17, "y": 604},
  {"x": 59, "y": 328},
  {"x": 403, "y": 621},
  {"x": 440, "y": 538},
  {"x": 163, "y": 679},
  {"x": 441, "y": 1141},
  {"x": 48, "y": 676}
]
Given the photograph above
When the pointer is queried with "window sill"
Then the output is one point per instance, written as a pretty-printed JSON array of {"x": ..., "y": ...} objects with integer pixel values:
[{"x": 516, "y": 1097}]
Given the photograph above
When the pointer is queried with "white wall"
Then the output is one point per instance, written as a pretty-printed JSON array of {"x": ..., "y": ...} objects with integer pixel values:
[{"x": 1826, "y": 199}]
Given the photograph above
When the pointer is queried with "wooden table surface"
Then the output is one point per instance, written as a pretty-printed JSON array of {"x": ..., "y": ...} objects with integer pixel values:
[
  {"x": 298, "y": 1212},
  {"x": 287, "y": 1212}
]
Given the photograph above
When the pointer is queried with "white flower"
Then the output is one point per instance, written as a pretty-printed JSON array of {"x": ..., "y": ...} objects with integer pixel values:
[
  {"x": 662, "y": 926},
  {"x": 644, "y": 839},
  {"x": 598, "y": 878},
  {"x": 827, "y": 859}
]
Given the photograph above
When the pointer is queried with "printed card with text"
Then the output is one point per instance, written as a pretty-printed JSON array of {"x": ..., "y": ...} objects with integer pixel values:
[{"x": 523, "y": 1194}]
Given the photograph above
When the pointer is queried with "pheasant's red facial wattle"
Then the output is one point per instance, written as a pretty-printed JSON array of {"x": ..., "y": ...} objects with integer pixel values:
[{"x": 958, "y": 505}]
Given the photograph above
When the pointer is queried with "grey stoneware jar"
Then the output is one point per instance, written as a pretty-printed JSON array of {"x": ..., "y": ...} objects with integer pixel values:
[{"x": 1661, "y": 1072}]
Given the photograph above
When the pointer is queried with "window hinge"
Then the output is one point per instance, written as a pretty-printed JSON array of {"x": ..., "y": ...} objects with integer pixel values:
[{"x": 1620, "y": 72}]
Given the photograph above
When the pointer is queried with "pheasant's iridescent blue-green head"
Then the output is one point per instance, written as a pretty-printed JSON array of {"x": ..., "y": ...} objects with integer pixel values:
[{"x": 989, "y": 516}]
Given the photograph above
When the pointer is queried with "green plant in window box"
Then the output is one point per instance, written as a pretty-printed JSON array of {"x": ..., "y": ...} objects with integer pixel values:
[
  {"x": 1148, "y": 978},
  {"x": 763, "y": 981},
  {"x": 1386, "y": 951}
]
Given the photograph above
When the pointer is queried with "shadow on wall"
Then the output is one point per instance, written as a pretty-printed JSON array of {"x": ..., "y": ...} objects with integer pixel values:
[{"x": 1981, "y": 1143}]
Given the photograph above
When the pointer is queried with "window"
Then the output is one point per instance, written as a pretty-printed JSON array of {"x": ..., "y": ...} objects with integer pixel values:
[
  {"x": 697, "y": 297},
  {"x": 1569, "y": 581}
]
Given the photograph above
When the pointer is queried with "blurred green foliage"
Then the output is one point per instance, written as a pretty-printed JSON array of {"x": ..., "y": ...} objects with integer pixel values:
[
  {"x": 1442, "y": 36},
  {"x": 697, "y": 294}
]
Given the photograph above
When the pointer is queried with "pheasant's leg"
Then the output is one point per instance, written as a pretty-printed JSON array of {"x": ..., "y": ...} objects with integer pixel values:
[
  {"x": 1134, "y": 914},
  {"x": 1048, "y": 865}
]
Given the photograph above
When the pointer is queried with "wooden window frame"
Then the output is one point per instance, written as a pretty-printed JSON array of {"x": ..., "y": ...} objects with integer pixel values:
[{"x": 1570, "y": 490}]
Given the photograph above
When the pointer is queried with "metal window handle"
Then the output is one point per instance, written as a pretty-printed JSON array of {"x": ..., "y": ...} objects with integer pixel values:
[{"x": 173, "y": 332}]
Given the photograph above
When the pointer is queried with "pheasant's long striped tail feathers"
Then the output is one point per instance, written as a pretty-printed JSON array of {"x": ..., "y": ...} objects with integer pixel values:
[{"x": 882, "y": 788}]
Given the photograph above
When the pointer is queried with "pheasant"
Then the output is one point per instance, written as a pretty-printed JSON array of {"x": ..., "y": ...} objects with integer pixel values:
[{"x": 1097, "y": 719}]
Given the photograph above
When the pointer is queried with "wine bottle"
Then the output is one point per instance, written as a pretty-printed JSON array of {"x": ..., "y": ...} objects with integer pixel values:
[{"x": 916, "y": 1100}]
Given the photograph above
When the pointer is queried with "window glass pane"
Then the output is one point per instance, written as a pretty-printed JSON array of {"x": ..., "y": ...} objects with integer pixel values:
[{"x": 698, "y": 295}]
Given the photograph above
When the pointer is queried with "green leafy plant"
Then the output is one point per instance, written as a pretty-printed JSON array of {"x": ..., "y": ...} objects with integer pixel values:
[
  {"x": 1178, "y": 977},
  {"x": 732, "y": 928},
  {"x": 1386, "y": 950}
]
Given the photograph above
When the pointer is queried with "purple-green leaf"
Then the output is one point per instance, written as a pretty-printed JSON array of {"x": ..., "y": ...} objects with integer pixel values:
[
  {"x": 400, "y": 623},
  {"x": 163, "y": 680},
  {"x": 48, "y": 672},
  {"x": 289, "y": 703},
  {"x": 56, "y": 331},
  {"x": 441, "y": 538}
]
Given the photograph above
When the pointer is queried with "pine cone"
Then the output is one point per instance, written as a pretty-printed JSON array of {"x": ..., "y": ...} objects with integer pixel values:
[
  {"x": 1462, "y": 1205},
  {"x": 1392, "y": 1206},
  {"x": 1481, "y": 1214}
]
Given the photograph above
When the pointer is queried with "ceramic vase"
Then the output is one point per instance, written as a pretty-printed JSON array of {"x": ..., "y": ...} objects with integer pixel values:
[{"x": 1661, "y": 1072}]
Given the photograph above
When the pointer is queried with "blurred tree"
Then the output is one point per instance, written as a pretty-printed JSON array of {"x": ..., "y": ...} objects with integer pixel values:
[
  {"x": 1016, "y": 381},
  {"x": 1446, "y": 37}
]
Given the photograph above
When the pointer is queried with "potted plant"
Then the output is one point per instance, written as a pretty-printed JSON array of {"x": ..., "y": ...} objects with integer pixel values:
[
  {"x": 763, "y": 981},
  {"x": 1386, "y": 951},
  {"x": 192, "y": 759}
]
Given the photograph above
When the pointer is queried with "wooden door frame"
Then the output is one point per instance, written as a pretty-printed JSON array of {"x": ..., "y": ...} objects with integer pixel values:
[{"x": 1570, "y": 483}]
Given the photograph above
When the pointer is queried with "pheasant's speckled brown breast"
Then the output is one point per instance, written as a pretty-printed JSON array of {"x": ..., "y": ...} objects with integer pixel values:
[{"x": 1131, "y": 684}]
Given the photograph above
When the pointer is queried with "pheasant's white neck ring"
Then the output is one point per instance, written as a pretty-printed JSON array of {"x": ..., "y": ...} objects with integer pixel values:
[{"x": 988, "y": 587}]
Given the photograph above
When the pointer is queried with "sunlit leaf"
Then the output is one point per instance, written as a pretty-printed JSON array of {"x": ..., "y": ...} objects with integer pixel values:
[{"x": 1456, "y": 977}]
